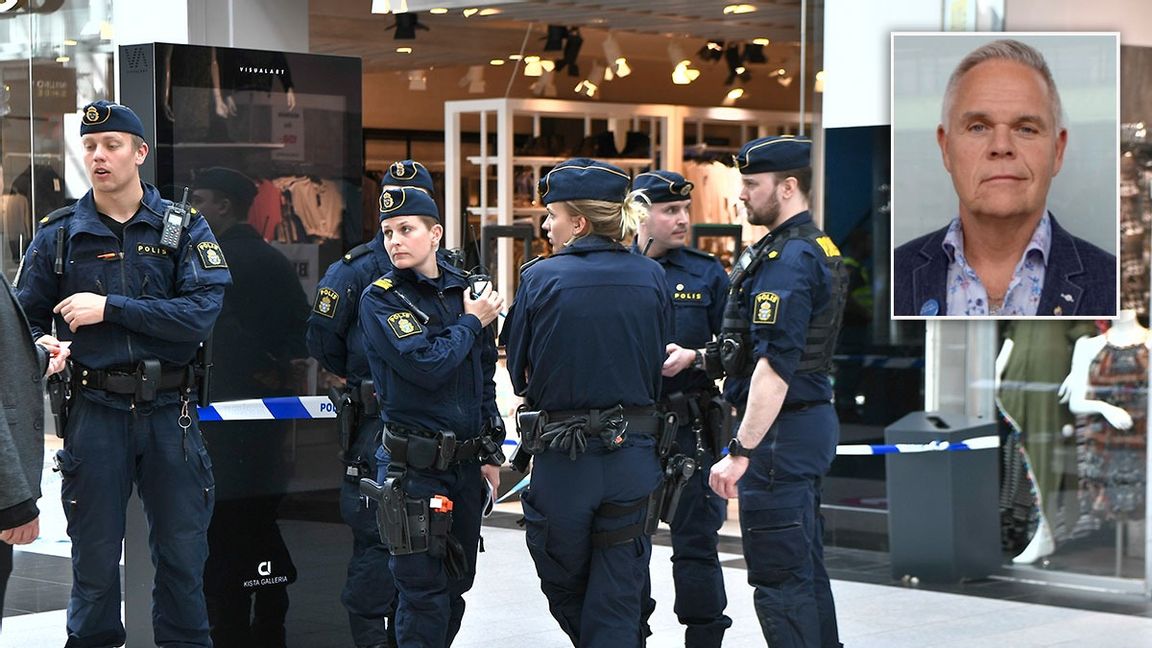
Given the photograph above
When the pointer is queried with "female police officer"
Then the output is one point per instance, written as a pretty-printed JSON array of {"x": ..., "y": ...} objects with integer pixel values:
[
  {"x": 585, "y": 340},
  {"x": 434, "y": 359}
]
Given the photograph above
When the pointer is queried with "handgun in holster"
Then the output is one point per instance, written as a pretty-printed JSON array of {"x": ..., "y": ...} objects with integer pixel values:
[
  {"x": 530, "y": 427},
  {"x": 346, "y": 421},
  {"x": 719, "y": 419},
  {"x": 409, "y": 524},
  {"x": 60, "y": 398},
  {"x": 665, "y": 500}
]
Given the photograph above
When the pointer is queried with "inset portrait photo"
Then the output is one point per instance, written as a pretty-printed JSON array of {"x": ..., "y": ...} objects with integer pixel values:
[{"x": 1005, "y": 175}]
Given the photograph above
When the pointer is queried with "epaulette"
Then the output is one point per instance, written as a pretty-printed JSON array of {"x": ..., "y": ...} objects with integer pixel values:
[
  {"x": 356, "y": 252},
  {"x": 695, "y": 252},
  {"x": 384, "y": 284},
  {"x": 57, "y": 214},
  {"x": 531, "y": 263}
]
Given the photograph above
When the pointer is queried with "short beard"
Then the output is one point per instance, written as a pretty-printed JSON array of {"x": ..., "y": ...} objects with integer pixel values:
[{"x": 769, "y": 216}]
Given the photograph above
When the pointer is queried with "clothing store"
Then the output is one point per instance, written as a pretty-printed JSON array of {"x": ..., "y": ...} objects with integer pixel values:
[{"x": 315, "y": 100}]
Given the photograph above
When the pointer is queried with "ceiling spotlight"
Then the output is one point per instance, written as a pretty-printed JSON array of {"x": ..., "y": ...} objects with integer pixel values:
[
  {"x": 739, "y": 9},
  {"x": 732, "y": 96},
  {"x": 70, "y": 42},
  {"x": 545, "y": 85},
  {"x": 554, "y": 42},
  {"x": 438, "y": 11},
  {"x": 532, "y": 66},
  {"x": 617, "y": 63},
  {"x": 782, "y": 77},
  {"x": 754, "y": 53},
  {"x": 591, "y": 85},
  {"x": 496, "y": 62},
  {"x": 406, "y": 26},
  {"x": 490, "y": 11},
  {"x": 713, "y": 50},
  {"x": 683, "y": 75},
  {"x": 819, "y": 85},
  {"x": 761, "y": 41},
  {"x": 403, "y": 50},
  {"x": 736, "y": 67},
  {"x": 572, "y": 45},
  {"x": 468, "y": 13},
  {"x": 417, "y": 80},
  {"x": 389, "y": 6},
  {"x": 514, "y": 57},
  {"x": 474, "y": 79}
]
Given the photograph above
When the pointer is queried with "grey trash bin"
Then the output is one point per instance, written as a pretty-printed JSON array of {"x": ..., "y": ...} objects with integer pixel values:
[{"x": 943, "y": 506}]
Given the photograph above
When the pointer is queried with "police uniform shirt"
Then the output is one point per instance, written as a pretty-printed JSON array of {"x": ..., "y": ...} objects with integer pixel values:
[
  {"x": 784, "y": 294},
  {"x": 435, "y": 375},
  {"x": 698, "y": 287},
  {"x": 334, "y": 334},
  {"x": 588, "y": 328},
  {"x": 161, "y": 303}
]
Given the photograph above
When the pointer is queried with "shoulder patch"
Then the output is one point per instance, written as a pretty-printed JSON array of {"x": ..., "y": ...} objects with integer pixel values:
[
  {"x": 765, "y": 307},
  {"x": 403, "y": 324},
  {"x": 383, "y": 283},
  {"x": 326, "y": 301},
  {"x": 356, "y": 252},
  {"x": 210, "y": 255},
  {"x": 828, "y": 246}
]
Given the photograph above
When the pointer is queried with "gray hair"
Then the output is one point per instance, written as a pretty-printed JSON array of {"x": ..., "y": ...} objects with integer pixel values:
[{"x": 1004, "y": 50}]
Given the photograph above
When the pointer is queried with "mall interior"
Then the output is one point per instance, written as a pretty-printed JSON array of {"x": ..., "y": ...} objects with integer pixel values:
[{"x": 1018, "y": 543}]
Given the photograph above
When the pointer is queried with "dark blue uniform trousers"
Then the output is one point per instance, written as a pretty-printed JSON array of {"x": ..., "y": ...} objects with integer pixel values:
[
  {"x": 595, "y": 593},
  {"x": 696, "y": 573},
  {"x": 369, "y": 593},
  {"x": 430, "y": 603},
  {"x": 105, "y": 452},
  {"x": 782, "y": 530}
]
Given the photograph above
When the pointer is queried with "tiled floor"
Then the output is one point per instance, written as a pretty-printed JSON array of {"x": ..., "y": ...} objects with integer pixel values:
[{"x": 506, "y": 608}]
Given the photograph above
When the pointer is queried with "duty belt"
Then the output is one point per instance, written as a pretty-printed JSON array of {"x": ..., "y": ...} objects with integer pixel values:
[
  {"x": 402, "y": 442},
  {"x": 678, "y": 402},
  {"x": 142, "y": 381},
  {"x": 641, "y": 420}
]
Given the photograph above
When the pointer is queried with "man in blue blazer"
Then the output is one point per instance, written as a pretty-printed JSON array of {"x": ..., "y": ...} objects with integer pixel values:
[{"x": 1002, "y": 139}]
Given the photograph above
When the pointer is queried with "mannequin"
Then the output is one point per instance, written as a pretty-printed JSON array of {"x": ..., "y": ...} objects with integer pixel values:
[
  {"x": 1108, "y": 385},
  {"x": 1034, "y": 357}
]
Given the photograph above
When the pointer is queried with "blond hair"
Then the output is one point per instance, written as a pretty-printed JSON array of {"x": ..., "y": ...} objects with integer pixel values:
[{"x": 614, "y": 220}]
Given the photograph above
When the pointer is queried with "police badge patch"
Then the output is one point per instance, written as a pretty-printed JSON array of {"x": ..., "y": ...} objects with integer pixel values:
[
  {"x": 210, "y": 255},
  {"x": 403, "y": 324},
  {"x": 326, "y": 300},
  {"x": 765, "y": 307}
]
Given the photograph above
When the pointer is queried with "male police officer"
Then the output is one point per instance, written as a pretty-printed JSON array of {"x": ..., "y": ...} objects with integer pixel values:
[
  {"x": 699, "y": 289},
  {"x": 337, "y": 341},
  {"x": 136, "y": 309},
  {"x": 780, "y": 328}
]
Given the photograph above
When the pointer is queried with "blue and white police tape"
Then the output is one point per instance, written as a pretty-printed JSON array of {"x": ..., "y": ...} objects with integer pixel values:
[
  {"x": 972, "y": 443},
  {"x": 267, "y": 409}
]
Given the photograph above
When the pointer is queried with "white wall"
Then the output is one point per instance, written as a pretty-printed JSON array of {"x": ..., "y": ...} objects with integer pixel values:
[
  {"x": 856, "y": 68},
  {"x": 1132, "y": 18}
]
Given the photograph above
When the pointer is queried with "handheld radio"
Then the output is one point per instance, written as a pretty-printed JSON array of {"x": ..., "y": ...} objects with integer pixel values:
[{"x": 175, "y": 220}]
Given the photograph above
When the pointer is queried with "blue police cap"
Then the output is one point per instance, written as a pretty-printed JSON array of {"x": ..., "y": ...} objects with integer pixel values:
[
  {"x": 104, "y": 116},
  {"x": 408, "y": 173},
  {"x": 407, "y": 201},
  {"x": 774, "y": 154},
  {"x": 584, "y": 179},
  {"x": 663, "y": 186}
]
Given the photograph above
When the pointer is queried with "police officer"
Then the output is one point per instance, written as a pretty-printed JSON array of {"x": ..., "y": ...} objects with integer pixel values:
[
  {"x": 698, "y": 287},
  {"x": 136, "y": 311},
  {"x": 776, "y": 346},
  {"x": 336, "y": 340},
  {"x": 430, "y": 350},
  {"x": 586, "y": 341}
]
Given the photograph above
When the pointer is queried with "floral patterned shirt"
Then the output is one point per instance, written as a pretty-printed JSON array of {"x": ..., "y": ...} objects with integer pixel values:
[{"x": 968, "y": 296}]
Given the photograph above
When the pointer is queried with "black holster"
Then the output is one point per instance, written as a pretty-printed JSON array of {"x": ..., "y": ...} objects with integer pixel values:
[
  {"x": 665, "y": 500},
  {"x": 407, "y": 524},
  {"x": 347, "y": 418},
  {"x": 719, "y": 420},
  {"x": 60, "y": 399}
]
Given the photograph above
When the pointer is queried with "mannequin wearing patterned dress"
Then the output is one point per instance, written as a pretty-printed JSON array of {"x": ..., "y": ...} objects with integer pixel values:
[{"x": 1108, "y": 385}]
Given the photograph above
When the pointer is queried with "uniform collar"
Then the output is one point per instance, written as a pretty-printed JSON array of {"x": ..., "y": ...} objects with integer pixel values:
[
  {"x": 450, "y": 277},
  {"x": 675, "y": 256},
  {"x": 592, "y": 243},
  {"x": 794, "y": 221},
  {"x": 151, "y": 211}
]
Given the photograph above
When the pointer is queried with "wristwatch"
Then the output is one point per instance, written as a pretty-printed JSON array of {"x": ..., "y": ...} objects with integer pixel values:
[
  {"x": 698, "y": 361},
  {"x": 737, "y": 450}
]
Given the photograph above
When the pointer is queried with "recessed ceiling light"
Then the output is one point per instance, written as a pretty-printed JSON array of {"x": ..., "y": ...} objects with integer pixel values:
[
  {"x": 438, "y": 11},
  {"x": 739, "y": 9},
  {"x": 496, "y": 62},
  {"x": 403, "y": 50},
  {"x": 468, "y": 13},
  {"x": 760, "y": 41},
  {"x": 514, "y": 57},
  {"x": 490, "y": 11},
  {"x": 62, "y": 59},
  {"x": 69, "y": 41}
]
